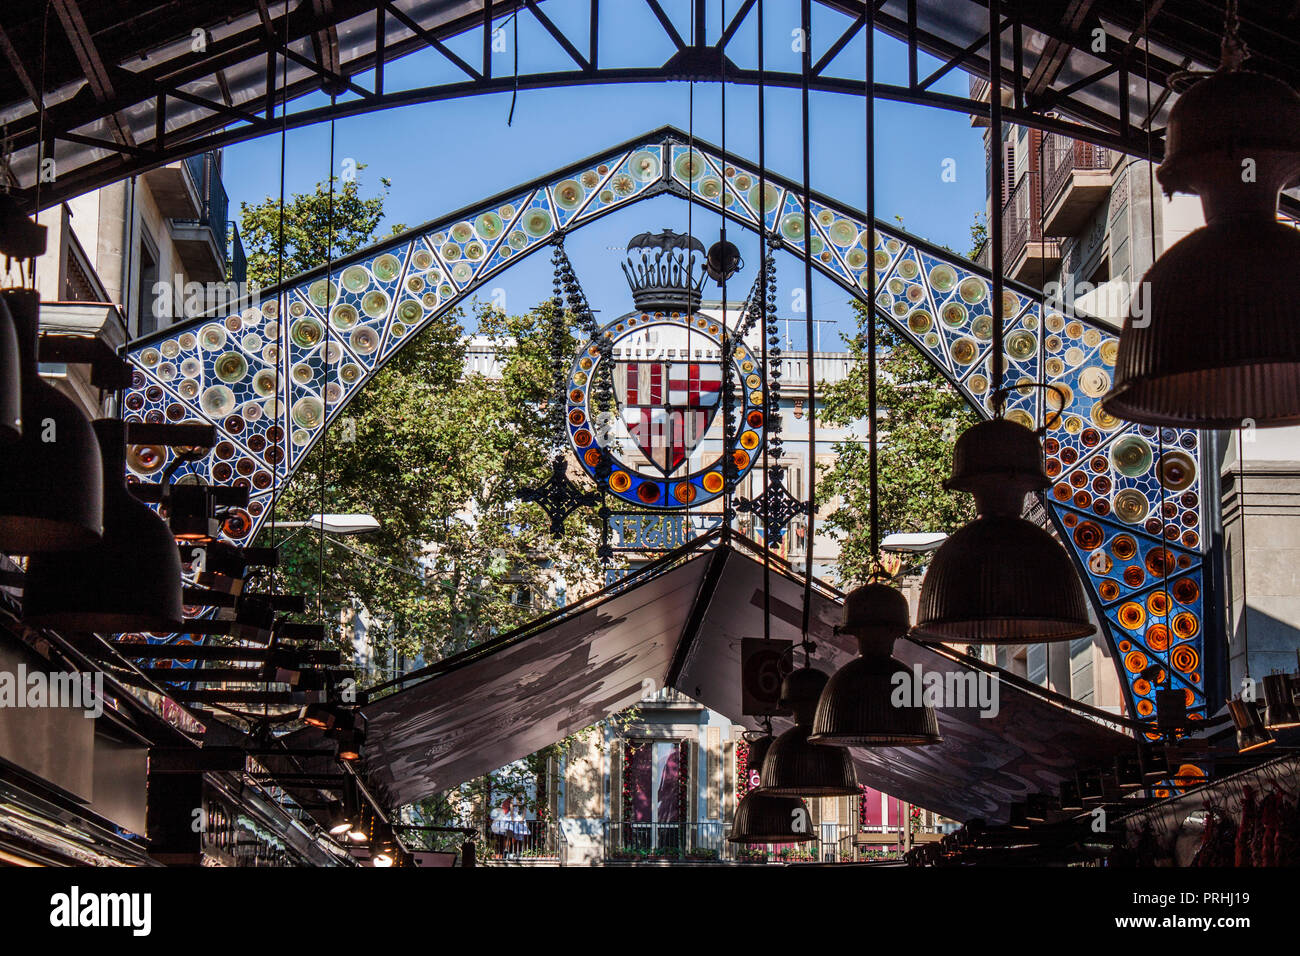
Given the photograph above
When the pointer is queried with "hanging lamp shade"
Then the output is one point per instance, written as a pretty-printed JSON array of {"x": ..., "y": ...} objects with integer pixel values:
[
  {"x": 1000, "y": 579},
  {"x": 796, "y": 767},
  {"x": 763, "y": 818},
  {"x": 51, "y": 488},
  {"x": 1251, "y": 733},
  {"x": 11, "y": 379},
  {"x": 128, "y": 581},
  {"x": 857, "y": 707},
  {"x": 1211, "y": 340},
  {"x": 1280, "y": 711}
]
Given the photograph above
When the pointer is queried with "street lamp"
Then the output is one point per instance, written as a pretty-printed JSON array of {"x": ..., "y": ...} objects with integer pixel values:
[
  {"x": 336, "y": 524},
  {"x": 918, "y": 542}
]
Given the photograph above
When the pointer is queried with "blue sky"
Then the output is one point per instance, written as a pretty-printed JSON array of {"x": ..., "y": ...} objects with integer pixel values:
[{"x": 445, "y": 155}]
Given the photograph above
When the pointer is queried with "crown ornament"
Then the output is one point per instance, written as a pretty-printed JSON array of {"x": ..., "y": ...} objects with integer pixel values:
[{"x": 665, "y": 271}]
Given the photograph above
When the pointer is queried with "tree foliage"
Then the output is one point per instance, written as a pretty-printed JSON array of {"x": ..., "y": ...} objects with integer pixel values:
[
  {"x": 920, "y": 416},
  {"x": 439, "y": 456},
  {"x": 307, "y": 229}
]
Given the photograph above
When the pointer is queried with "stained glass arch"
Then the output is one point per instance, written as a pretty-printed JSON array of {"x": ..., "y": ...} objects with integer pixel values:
[{"x": 1127, "y": 500}]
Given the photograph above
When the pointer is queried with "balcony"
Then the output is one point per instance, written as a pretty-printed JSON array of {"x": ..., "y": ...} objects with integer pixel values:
[
  {"x": 687, "y": 842},
  {"x": 706, "y": 843},
  {"x": 522, "y": 843},
  {"x": 176, "y": 191},
  {"x": 1078, "y": 180},
  {"x": 1027, "y": 254},
  {"x": 201, "y": 240}
]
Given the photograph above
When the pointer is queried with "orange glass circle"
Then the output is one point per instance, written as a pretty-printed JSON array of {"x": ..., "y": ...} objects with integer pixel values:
[
  {"x": 1186, "y": 590},
  {"x": 1131, "y": 615},
  {"x": 1124, "y": 547},
  {"x": 684, "y": 492},
  {"x": 1159, "y": 561},
  {"x": 620, "y": 481},
  {"x": 749, "y": 440},
  {"x": 1184, "y": 659},
  {"x": 1157, "y": 637},
  {"x": 1186, "y": 625},
  {"x": 712, "y": 482}
]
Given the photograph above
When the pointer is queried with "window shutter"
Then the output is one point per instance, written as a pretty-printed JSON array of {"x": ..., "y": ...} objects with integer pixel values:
[
  {"x": 1008, "y": 170},
  {"x": 616, "y": 780}
]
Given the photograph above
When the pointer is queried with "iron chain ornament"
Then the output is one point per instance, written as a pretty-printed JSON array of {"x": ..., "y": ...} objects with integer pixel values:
[
  {"x": 558, "y": 496},
  {"x": 774, "y": 506}
]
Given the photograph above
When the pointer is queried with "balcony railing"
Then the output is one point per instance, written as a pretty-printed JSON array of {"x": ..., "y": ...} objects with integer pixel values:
[
  {"x": 521, "y": 841},
  {"x": 236, "y": 259},
  {"x": 1022, "y": 217},
  {"x": 699, "y": 842},
  {"x": 1062, "y": 156},
  {"x": 706, "y": 842},
  {"x": 215, "y": 209}
]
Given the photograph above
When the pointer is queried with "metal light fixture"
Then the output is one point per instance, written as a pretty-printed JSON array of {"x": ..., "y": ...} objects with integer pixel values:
[
  {"x": 796, "y": 767},
  {"x": 1251, "y": 732},
  {"x": 1128, "y": 771},
  {"x": 11, "y": 379},
  {"x": 1197, "y": 352},
  {"x": 1280, "y": 710},
  {"x": 1001, "y": 578},
  {"x": 338, "y": 524},
  {"x": 1038, "y": 807},
  {"x": 52, "y": 487},
  {"x": 722, "y": 261},
  {"x": 190, "y": 514},
  {"x": 130, "y": 580},
  {"x": 856, "y": 708},
  {"x": 764, "y": 818},
  {"x": 1070, "y": 799},
  {"x": 1018, "y": 819},
  {"x": 336, "y": 818}
]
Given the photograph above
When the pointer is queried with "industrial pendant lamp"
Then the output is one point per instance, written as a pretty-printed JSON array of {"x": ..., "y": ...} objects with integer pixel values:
[
  {"x": 796, "y": 767},
  {"x": 1280, "y": 711},
  {"x": 856, "y": 708},
  {"x": 11, "y": 379},
  {"x": 1213, "y": 340},
  {"x": 1251, "y": 732},
  {"x": 51, "y": 488},
  {"x": 1001, "y": 578},
  {"x": 764, "y": 818},
  {"x": 128, "y": 581}
]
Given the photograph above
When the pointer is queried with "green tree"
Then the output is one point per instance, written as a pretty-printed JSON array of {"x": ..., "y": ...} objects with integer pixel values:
[
  {"x": 439, "y": 456},
  {"x": 307, "y": 231},
  {"x": 920, "y": 415}
]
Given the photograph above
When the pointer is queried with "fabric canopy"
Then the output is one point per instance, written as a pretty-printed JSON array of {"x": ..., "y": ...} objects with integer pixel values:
[{"x": 682, "y": 627}]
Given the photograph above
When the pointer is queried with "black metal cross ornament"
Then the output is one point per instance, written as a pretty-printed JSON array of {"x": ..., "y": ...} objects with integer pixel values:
[
  {"x": 775, "y": 507},
  {"x": 558, "y": 496}
]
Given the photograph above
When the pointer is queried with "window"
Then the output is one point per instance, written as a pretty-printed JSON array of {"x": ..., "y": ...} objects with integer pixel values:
[{"x": 146, "y": 277}]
